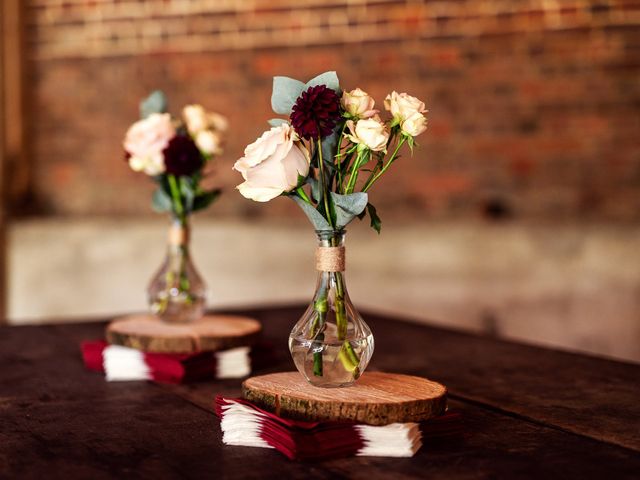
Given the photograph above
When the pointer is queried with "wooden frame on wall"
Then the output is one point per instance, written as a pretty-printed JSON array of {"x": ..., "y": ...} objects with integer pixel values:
[{"x": 11, "y": 124}]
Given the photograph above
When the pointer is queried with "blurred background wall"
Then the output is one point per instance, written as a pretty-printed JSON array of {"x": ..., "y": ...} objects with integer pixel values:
[{"x": 518, "y": 216}]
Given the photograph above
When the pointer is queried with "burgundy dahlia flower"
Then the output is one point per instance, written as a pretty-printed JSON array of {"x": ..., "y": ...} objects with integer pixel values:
[
  {"x": 182, "y": 157},
  {"x": 316, "y": 112}
]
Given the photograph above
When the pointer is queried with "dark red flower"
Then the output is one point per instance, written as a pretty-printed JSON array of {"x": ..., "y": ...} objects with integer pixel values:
[
  {"x": 316, "y": 112},
  {"x": 182, "y": 157}
]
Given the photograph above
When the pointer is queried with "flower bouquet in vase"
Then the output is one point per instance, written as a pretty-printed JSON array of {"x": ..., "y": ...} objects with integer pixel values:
[
  {"x": 326, "y": 155},
  {"x": 175, "y": 153}
]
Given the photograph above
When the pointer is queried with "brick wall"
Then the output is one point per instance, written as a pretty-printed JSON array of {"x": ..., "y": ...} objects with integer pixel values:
[{"x": 534, "y": 105}]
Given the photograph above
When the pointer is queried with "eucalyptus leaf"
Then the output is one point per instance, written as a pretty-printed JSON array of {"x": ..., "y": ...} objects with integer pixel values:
[
  {"x": 160, "y": 201},
  {"x": 276, "y": 122},
  {"x": 315, "y": 217},
  {"x": 347, "y": 207},
  {"x": 330, "y": 146},
  {"x": 156, "y": 102},
  {"x": 330, "y": 79},
  {"x": 316, "y": 188},
  {"x": 285, "y": 93}
]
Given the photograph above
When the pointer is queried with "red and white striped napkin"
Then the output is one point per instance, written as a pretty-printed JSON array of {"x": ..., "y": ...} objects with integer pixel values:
[
  {"x": 244, "y": 424},
  {"x": 124, "y": 364}
]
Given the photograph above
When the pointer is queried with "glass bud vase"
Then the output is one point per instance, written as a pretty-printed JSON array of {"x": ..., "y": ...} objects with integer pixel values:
[
  {"x": 331, "y": 345},
  {"x": 177, "y": 293}
]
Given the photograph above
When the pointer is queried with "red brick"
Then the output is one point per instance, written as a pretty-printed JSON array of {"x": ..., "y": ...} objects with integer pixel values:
[{"x": 545, "y": 114}]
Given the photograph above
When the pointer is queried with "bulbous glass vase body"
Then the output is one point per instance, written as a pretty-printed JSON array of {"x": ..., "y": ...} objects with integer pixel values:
[
  {"x": 177, "y": 293},
  {"x": 331, "y": 344}
]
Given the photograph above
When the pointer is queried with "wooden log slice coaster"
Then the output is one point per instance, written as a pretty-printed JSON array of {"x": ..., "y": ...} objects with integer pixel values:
[
  {"x": 211, "y": 333},
  {"x": 377, "y": 398}
]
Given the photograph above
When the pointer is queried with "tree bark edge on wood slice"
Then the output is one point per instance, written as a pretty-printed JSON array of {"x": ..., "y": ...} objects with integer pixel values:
[
  {"x": 149, "y": 333},
  {"x": 377, "y": 398}
]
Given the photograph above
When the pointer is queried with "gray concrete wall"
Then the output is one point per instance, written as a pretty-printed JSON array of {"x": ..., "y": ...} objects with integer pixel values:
[{"x": 570, "y": 286}]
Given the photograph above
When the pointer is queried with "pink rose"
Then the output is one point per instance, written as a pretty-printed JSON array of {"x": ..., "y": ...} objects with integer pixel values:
[
  {"x": 146, "y": 139},
  {"x": 402, "y": 105},
  {"x": 358, "y": 103},
  {"x": 272, "y": 164},
  {"x": 407, "y": 112}
]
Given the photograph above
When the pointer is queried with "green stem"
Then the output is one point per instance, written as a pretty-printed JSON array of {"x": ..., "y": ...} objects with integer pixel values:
[
  {"x": 361, "y": 159},
  {"x": 339, "y": 166},
  {"x": 176, "y": 197},
  {"x": 345, "y": 168},
  {"x": 348, "y": 357},
  {"x": 373, "y": 172},
  {"x": 321, "y": 306},
  {"x": 373, "y": 179}
]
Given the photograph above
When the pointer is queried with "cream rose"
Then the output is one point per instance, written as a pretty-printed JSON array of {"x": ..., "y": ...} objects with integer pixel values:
[
  {"x": 370, "y": 132},
  {"x": 218, "y": 122},
  {"x": 358, "y": 103},
  {"x": 195, "y": 118},
  {"x": 402, "y": 105},
  {"x": 146, "y": 139},
  {"x": 271, "y": 165},
  {"x": 152, "y": 165},
  {"x": 414, "y": 125},
  {"x": 209, "y": 142}
]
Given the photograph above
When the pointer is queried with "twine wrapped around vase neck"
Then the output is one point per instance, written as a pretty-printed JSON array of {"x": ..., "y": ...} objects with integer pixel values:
[
  {"x": 330, "y": 259},
  {"x": 178, "y": 235}
]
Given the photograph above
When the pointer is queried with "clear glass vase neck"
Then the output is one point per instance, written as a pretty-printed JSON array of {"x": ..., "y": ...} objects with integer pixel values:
[
  {"x": 179, "y": 236},
  {"x": 331, "y": 238}
]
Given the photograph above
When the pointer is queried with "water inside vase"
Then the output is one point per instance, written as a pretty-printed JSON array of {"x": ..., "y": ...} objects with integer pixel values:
[{"x": 336, "y": 372}]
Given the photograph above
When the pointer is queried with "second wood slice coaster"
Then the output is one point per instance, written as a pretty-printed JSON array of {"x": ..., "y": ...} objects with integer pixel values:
[
  {"x": 211, "y": 333},
  {"x": 377, "y": 398}
]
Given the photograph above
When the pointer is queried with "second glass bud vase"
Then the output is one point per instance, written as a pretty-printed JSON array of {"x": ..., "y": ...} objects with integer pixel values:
[
  {"x": 331, "y": 345},
  {"x": 177, "y": 293}
]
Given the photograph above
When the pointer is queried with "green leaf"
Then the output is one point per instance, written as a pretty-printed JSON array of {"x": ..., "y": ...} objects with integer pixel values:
[
  {"x": 347, "y": 207},
  {"x": 376, "y": 223},
  {"x": 276, "y": 122},
  {"x": 156, "y": 102},
  {"x": 301, "y": 180},
  {"x": 330, "y": 79},
  {"x": 285, "y": 93},
  {"x": 203, "y": 200},
  {"x": 160, "y": 201},
  {"x": 315, "y": 217}
]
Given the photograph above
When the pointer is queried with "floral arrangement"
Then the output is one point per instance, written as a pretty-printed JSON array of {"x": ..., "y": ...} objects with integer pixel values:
[
  {"x": 326, "y": 155},
  {"x": 320, "y": 154},
  {"x": 175, "y": 153}
]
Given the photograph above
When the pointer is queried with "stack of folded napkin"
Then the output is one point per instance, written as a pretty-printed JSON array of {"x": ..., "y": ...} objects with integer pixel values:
[
  {"x": 123, "y": 363},
  {"x": 245, "y": 424}
]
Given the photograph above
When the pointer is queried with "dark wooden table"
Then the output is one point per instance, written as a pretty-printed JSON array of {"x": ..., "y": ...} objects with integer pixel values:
[{"x": 529, "y": 412}]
